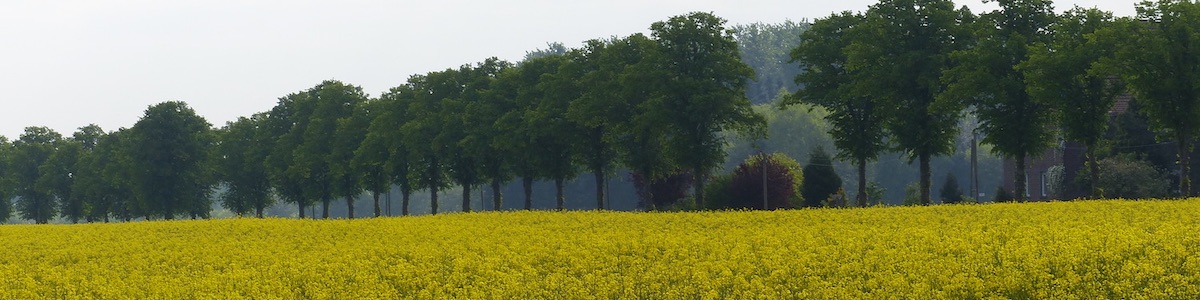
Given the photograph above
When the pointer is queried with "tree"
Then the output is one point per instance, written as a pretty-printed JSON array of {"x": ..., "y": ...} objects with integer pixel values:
[
  {"x": 347, "y": 139},
  {"x": 1126, "y": 177},
  {"x": 1013, "y": 122},
  {"x": 820, "y": 180},
  {"x": 29, "y": 152},
  {"x": 784, "y": 179},
  {"x": 597, "y": 111},
  {"x": 315, "y": 155},
  {"x": 169, "y": 157},
  {"x": 286, "y": 122},
  {"x": 857, "y": 121},
  {"x": 488, "y": 101},
  {"x": 6, "y": 186},
  {"x": 1159, "y": 59},
  {"x": 899, "y": 58},
  {"x": 556, "y": 136},
  {"x": 421, "y": 130},
  {"x": 765, "y": 48},
  {"x": 56, "y": 176},
  {"x": 951, "y": 193},
  {"x": 104, "y": 179},
  {"x": 241, "y": 149},
  {"x": 371, "y": 156},
  {"x": 529, "y": 124},
  {"x": 705, "y": 91},
  {"x": 386, "y": 130},
  {"x": 1066, "y": 73}
]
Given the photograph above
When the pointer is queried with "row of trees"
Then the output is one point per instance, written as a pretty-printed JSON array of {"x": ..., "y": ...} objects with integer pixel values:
[
  {"x": 653, "y": 104},
  {"x": 899, "y": 75}
]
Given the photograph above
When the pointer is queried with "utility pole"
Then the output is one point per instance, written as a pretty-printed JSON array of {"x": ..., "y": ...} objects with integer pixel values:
[
  {"x": 974, "y": 166},
  {"x": 763, "y": 162}
]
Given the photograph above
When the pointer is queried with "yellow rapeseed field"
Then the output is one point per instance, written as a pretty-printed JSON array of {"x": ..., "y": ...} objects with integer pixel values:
[{"x": 1067, "y": 250}]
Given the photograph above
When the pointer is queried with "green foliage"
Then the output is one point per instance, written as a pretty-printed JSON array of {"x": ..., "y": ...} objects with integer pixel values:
[
  {"x": 951, "y": 193},
  {"x": 286, "y": 123},
  {"x": 171, "y": 171},
  {"x": 1066, "y": 74},
  {"x": 821, "y": 181},
  {"x": 765, "y": 48},
  {"x": 784, "y": 179},
  {"x": 29, "y": 152},
  {"x": 241, "y": 148},
  {"x": 898, "y": 57},
  {"x": 1156, "y": 56},
  {"x": 1002, "y": 195},
  {"x": 857, "y": 120},
  {"x": 706, "y": 91},
  {"x": 720, "y": 192},
  {"x": 57, "y": 177},
  {"x": 1126, "y": 177},
  {"x": 1014, "y": 122}
]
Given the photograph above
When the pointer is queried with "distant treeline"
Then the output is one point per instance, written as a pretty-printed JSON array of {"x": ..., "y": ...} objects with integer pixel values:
[{"x": 654, "y": 104}]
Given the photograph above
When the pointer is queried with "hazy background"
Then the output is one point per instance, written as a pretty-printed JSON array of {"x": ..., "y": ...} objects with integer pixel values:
[{"x": 65, "y": 64}]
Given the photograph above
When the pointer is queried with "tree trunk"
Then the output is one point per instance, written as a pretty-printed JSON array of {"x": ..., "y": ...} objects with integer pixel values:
[
  {"x": 433, "y": 201},
  {"x": 698, "y": 186},
  {"x": 925, "y": 177},
  {"x": 325, "y": 208},
  {"x": 1185, "y": 168},
  {"x": 258, "y": 210},
  {"x": 405, "y": 194},
  {"x": 375, "y": 195},
  {"x": 527, "y": 184},
  {"x": 466, "y": 197},
  {"x": 349, "y": 207},
  {"x": 1019, "y": 188},
  {"x": 862, "y": 183},
  {"x": 599, "y": 174},
  {"x": 559, "y": 198},
  {"x": 497, "y": 195},
  {"x": 1094, "y": 166}
]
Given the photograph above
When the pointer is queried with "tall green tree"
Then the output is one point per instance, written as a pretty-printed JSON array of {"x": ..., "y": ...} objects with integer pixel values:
[
  {"x": 986, "y": 76},
  {"x": 169, "y": 154},
  {"x": 1066, "y": 73},
  {"x": 347, "y": 139},
  {"x": 597, "y": 111},
  {"x": 519, "y": 126},
  {"x": 240, "y": 152},
  {"x": 29, "y": 152},
  {"x": 315, "y": 156},
  {"x": 104, "y": 180},
  {"x": 387, "y": 130},
  {"x": 640, "y": 128},
  {"x": 80, "y": 206},
  {"x": 371, "y": 157},
  {"x": 1159, "y": 59},
  {"x": 857, "y": 120},
  {"x": 704, "y": 89},
  {"x": 58, "y": 173},
  {"x": 820, "y": 179},
  {"x": 6, "y": 186},
  {"x": 554, "y": 132},
  {"x": 286, "y": 121},
  {"x": 904, "y": 48},
  {"x": 487, "y": 102},
  {"x": 421, "y": 130}
]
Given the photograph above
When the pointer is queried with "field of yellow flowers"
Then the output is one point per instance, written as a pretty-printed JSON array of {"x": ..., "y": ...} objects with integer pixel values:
[{"x": 1081, "y": 250}]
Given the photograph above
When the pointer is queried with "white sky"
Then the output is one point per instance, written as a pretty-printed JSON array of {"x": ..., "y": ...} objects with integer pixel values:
[{"x": 68, "y": 63}]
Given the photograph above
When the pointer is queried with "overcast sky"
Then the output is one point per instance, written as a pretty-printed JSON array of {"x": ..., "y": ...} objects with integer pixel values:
[{"x": 68, "y": 63}]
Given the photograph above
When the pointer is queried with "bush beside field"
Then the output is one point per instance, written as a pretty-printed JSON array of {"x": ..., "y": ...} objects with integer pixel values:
[{"x": 1084, "y": 250}]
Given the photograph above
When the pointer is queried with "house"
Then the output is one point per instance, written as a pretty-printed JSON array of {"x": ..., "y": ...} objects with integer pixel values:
[{"x": 1070, "y": 155}]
